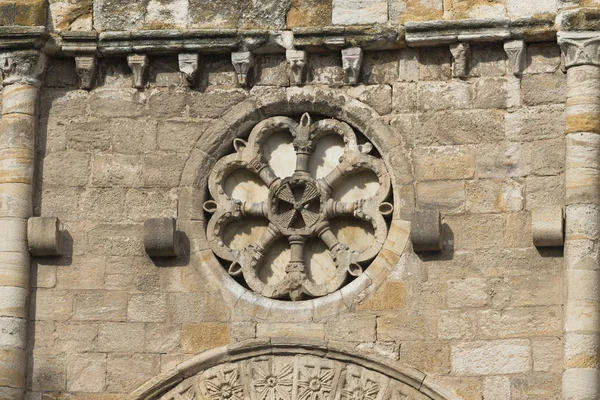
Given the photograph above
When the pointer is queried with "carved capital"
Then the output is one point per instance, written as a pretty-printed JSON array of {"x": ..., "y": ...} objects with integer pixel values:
[
  {"x": 516, "y": 51},
  {"x": 580, "y": 48},
  {"x": 138, "y": 64},
  {"x": 297, "y": 60},
  {"x": 461, "y": 54},
  {"x": 352, "y": 59},
  {"x": 86, "y": 70},
  {"x": 243, "y": 63},
  {"x": 22, "y": 66},
  {"x": 188, "y": 65}
]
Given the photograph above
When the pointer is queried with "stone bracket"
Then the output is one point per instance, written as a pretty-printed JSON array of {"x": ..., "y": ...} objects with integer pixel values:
[
  {"x": 44, "y": 236},
  {"x": 298, "y": 62},
  {"x": 548, "y": 227},
  {"x": 85, "y": 66},
  {"x": 352, "y": 59},
  {"x": 138, "y": 64},
  {"x": 516, "y": 51},
  {"x": 161, "y": 238},
  {"x": 426, "y": 230},
  {"x": 243, "y": 63},
  {"x": 461, "y": 54},
  {"x": 189, "y": 66}
]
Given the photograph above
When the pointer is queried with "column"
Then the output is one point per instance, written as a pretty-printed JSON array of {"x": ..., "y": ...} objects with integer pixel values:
[
  {"x": 582, "y": 231},
  {"x": 21, "y": 72}
]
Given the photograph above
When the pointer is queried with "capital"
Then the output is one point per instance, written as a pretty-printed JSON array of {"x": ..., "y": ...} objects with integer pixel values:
[
  {"x": 580, "y": 48},
  {"x": 25, "y": 66}
]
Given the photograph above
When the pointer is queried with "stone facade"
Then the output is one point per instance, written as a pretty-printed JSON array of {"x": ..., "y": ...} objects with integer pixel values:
[{"x": 299, "y": 199}]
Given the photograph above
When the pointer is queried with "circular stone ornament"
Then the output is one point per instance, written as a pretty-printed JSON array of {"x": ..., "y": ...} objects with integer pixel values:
[{"x": 298, "y": 210}]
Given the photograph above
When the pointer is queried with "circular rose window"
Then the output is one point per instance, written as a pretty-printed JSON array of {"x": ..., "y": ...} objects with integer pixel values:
[{"x": 298, "y": 210}]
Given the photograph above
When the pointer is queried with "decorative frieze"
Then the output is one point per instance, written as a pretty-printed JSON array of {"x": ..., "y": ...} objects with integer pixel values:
[
  {"x": 352, "y": 59},
  {"x": 580, "y": 48},
  {"x": 85, "y": 66},
  {"x": 138, "y": 64},
  {"x": 516, "y": 51},
  {"x": 189, "y": 66},
  {"x": 243, "y": 63},
  {"x": 461, "y": 54},
  {"x": 298, "y": 61}
]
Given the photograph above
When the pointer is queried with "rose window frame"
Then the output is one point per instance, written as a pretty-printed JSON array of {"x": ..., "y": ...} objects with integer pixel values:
[{"x": 299, "y": 207}]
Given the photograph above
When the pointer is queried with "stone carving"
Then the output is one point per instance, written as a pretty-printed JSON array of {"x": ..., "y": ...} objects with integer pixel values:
[
  {"x": 138, "y": 64},
  {"x": 292, "y": 378},
  {"x": 580, "y": 48},
  {"x": 86, "y": 71},
  {"x": 299, "y": 208},
  {"x": 516, "y": 51},
  {"x": 461, "y": 53},
  {"x": 298, "y": 61},
  {"x": 188, "y": 65},
  {"x": 352, "y": 59},
  {"x": 243, "y": 63},
  {"x": 22, "y": 66}
]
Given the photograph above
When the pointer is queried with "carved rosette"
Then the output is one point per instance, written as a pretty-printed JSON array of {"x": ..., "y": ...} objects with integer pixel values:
[
  {"x": 291, "y": 378},
  {"x": 298, "y": 210}
]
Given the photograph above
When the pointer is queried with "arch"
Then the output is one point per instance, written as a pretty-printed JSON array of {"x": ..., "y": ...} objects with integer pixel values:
[
  {"x": 237, "y": 122},
  {"x": 290, "y": 367}
]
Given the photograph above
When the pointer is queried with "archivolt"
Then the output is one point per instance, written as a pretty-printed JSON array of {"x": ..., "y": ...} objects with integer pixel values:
[{"x": 267, "y": 369}]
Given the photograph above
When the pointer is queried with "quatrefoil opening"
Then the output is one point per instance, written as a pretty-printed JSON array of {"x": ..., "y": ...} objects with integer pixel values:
[{"x": 298, "y": 210}]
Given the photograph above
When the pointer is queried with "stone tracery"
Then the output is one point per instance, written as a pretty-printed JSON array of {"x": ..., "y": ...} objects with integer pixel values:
[{"x": 289, "y": 183}]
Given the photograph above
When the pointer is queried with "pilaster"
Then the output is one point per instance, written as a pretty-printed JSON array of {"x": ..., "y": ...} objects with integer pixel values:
[
  {"x": 21, "y": 71},
  {"x": 582, "y": 303}
]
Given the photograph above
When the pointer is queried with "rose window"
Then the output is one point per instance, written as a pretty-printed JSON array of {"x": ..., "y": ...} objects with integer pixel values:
[{"x": 299, "y": 209}]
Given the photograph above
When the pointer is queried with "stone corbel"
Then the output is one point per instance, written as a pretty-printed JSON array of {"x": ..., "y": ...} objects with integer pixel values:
[
  {"x": 516, "y": 51},
  {"x": 580, "y": 48},
  {"x": 85, "y": 67},
  {"x": 243, "y": 63},
  {"x": 298, "y": 61},
  {"x": 426, "y": 230},
  {"x": 548, "y": 226},
  {"x": 461, "y": 55},
  {"x": 138, "y": 63},
  {"x": 22, "y": 66},
  {"x": 352, "y": 59},
  {"x": 161, "y": 238},
  {"x": 44, "y": 236},
  {"x": 189, "y": 66}
]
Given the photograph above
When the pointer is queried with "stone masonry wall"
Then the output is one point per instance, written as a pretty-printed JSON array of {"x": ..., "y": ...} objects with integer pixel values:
[{"x": 483, "y": 316}]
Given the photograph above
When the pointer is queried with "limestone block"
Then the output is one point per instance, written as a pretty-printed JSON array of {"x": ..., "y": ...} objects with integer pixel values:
[
  {"x": 444, "y": 162},
  {"x": 542, "y": 58},
  {"x": 161, "y": 238},
  {"x": 71, "y": 337},
  {"x": 44, "y": 236},
  {"x": 309, "y": 13},
  {"x": 147, "y": 308},
  {"x": 100, "y": 306},
  {"x": 66, "y": 15},
  {"x": 495, "y": 357},
  {"x": 521, "y": 322},
  {"x": 120, "y": 337},
  {"x": 15, "y": 268},
  {"x": 404, "y": 97},
  {"x": 361, "y": 12},
  {"x": 547, "y": 226},
  {"x": 494, "y": 196},
  {"x": 490, "y": 93},
  {"x": 535, "y": 123},
  {"x": 580, "y": 383},
  {"x": 114, "y": 170},
  {"x": 435, "y": 64},
  {"x": 200, "y": 337},
  {"x": 162, "y": 338},
  {"x": 518, "y": 8},
  {"x": 290, "y": 330},
  {"x": 122, "y": 378},
  {"x": 48, "y": 374},
  {"x": 423, "y": 10},
  {"x": 547, "y": 354},
  {"x": 117, "y": 102},
  {"x": 86, "y": 372},
  {"x": 461, "y": 53},
  {"x": 427, "y": 356},
  {"x": 15, "y": 200},
  {"x": 465, "y": 293},
  {"x": 112, "y": 15},
  {"x": 392, "y": 296},
  {"x": 476, "y": 231},
  {"x": 454, "y": 324},
  {"x": 179, "y": 135},
  {"x": 355, "y": 328},
  {"x": 162, "y": 169},
  {"x": 377, "y": 96},
  {"x": 426, "y": 230},
  {"x": 541, "y": 89},
  {"x": 434, "y": 96},
  {"x": 496, "y": 388},
  {"x": 380, "y": 68},
  {"x": 544, "y": 191},
  {"x": 325, "y": 69},
  {"x": 273, "y": 70},
  {"x": 13, "y": 332},
  {"x": 582, "y": 316},
  {"x": 212, "y": 102},
  {"x": 408, "y": 65},
  {"x": 23, "y": 13},
  {"x": 401, "y": 327}
]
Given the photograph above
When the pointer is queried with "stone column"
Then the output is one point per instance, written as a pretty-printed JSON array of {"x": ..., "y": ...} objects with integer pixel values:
[
  {"x": 582, "y": 242},
  {"x": 21, "y": 71}
]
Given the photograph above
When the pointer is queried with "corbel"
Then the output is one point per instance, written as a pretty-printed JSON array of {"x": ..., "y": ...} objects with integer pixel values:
[
  {"x": 161, "y": 238},
  {"x": 461, "y": 55},
  {"x": 352, "y": 59},
  {"x": 548, "y": 227},
  {"x": 298, "y": 61},
  {"x": 85, "y": 66},
  {"x": 516, "y": 51},
  {"x": 189, "y": 66},
  {"x": 44, "y": 236},
  {"x": 138, "y": 64},
  {"x": 426, "y": 230},
  {"x": 243, "y": 63}
]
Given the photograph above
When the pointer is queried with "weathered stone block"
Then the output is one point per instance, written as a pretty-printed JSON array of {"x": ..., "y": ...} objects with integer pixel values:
[
  {"x": 494, "y": 196},
  {"x": 380, "y": 67},
  {"x": 542, "y": 58},
  {"x": 546, "y": 88},
  {"x": 163, "y": 169},
  {"x": 476, "y": 231},
  {"x": 472, "y": 292},
  {"x": 52, "y": 305},
  {"x": 121, "y": 102},
  {"x": 48, "y": 373},
  {"x": 200, "y": 337},
  {"x": 122, "y": 378},
  {"x": 392, "y": 296},
  {"x": 100, "y": 306},
  {"x": 518, "y": 8},
  {"x": 131, "y": 136},
  {"x": 454, "y": 324},
  {"x": 85, "y": 273},
  {"x": 162, "y": 338},
  {"x": 309, "y": 13},
  {"x": 443, "y": 95},
  {"x": 503, "y": 160},
  {"x": 359, "y": 12},
  {"x": 44, "y": 236},
  {"x": 121, "y": 337},
  {"x": 491, "y": 357},
  {"x": 114, "y": 170},
  {"x": 535, "y": 123},
  {"x": 490, "y": 93},
  {"x": 355, "y": 328},
  {"x": 69, "y": 168},
  {"x": 446, "y": 196},
  {"x": 147, "y": 308},
  {"x": 496, "y": 388},
  {"x": 444, "y": 162},
  {"x": 86, "y": 372},
  {"x": 521, "y": 322}
]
